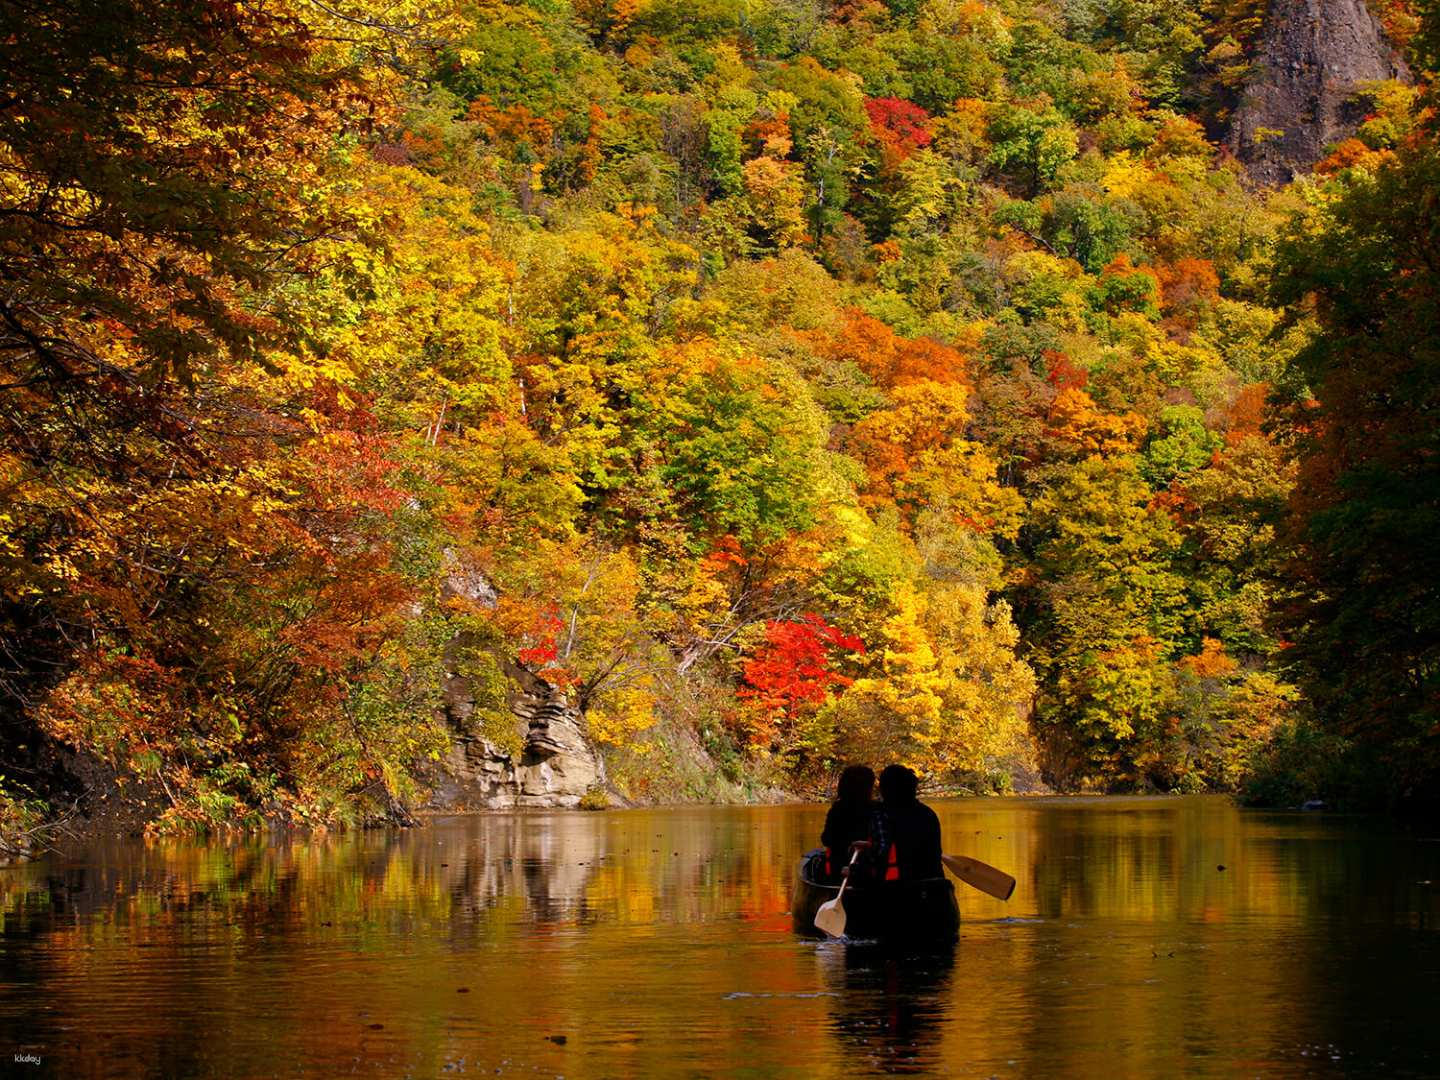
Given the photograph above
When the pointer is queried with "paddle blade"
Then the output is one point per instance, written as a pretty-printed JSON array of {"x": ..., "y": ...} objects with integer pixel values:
[
  {"x": 980, "y": 875},
  {"x": 831, "y": 917}
]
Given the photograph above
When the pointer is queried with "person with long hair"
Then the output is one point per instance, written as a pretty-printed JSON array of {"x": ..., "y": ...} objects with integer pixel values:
[{"x": 848, "y": 820}]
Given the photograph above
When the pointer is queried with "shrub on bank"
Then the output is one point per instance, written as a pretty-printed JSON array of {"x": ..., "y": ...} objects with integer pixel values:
[{"x": 1302, "y": 763}]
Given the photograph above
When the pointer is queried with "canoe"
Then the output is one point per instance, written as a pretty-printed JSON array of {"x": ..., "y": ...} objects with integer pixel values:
[{"x": 911, "y": 911}]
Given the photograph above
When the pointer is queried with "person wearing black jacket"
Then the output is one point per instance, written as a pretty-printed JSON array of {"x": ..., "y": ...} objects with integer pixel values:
[{"x": 906, "y": 832}]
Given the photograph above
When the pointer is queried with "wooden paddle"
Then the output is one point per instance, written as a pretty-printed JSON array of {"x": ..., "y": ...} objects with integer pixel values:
[
  {"x": 831, "y": 915},
  {"x": 977, "y": 874}
]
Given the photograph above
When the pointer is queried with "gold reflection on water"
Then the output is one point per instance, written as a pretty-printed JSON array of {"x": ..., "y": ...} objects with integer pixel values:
[{"x": 656, "y": 943}]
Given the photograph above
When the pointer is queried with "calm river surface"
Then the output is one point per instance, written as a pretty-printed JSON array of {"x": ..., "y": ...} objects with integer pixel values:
[{"x": 1147, "y": 938}]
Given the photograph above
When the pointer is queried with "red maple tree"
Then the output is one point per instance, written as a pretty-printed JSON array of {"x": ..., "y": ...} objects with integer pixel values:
[
  {"x": 794, "y": 669},
  {"x": 901, "y": 126}
]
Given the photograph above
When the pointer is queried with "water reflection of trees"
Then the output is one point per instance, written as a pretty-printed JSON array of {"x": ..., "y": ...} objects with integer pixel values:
[
  {"x": 310, "y": 943},
  {"x": 1139, "y": 862},
  {"x": 1126, "y": 943},
  {"x": 461, "y": 876}
]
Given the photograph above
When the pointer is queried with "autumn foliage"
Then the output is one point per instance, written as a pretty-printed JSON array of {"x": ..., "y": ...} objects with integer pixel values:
[
  {"x": 792, "y": 672},
  {"x": 659, "y": 362}
]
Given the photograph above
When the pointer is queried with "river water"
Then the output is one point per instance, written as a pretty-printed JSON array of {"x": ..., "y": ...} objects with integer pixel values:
[{"x": 1146, "y": 938}]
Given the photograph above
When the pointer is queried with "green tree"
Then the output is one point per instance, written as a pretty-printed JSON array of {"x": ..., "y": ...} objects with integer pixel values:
[
  {"x": 1103, "y": 620},
  {"x": 1366, "y": 618}
]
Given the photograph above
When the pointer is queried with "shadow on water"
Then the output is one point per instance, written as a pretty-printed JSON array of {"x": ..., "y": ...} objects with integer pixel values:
[{"x": 890, "y": 1006}]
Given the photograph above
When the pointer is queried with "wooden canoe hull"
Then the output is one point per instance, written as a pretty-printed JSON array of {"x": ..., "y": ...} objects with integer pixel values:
[{"x": 912, "y": 911}]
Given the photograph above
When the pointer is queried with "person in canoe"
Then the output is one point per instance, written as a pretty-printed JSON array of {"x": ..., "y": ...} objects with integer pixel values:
[
  {"x": 905, "y": 832},
  {"x": 849, "y": 820},
  {"x": 896, "y": 890}
]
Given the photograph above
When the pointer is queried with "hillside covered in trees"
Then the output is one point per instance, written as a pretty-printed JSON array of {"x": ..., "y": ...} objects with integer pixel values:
[{"x": 800, "y": 383}]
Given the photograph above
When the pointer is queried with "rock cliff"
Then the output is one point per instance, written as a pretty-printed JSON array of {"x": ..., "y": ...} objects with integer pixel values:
[
  {"x": 539, "y": 757},
  {"x": 1313, "y": 55}
]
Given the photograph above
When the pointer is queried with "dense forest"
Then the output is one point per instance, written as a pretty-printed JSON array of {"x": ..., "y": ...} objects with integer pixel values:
[{"x": 778, "y": 382}]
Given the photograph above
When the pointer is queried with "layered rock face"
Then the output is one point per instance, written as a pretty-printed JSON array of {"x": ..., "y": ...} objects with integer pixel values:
[
  {"x": 1313, "y": 56},
  {"x": 556, "y": 768},
  {"x": 557, "y": 764}
]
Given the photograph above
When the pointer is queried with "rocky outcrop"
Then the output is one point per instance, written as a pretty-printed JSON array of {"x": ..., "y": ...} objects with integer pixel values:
[
  {"x": 550, "y": 761},
  {"x": 1313, "y": 56},
  {"x": 555, "y": 767}
]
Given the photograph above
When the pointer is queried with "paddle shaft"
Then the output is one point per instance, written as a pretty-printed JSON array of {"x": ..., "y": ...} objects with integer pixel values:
[{"x": 845, "y": 880}]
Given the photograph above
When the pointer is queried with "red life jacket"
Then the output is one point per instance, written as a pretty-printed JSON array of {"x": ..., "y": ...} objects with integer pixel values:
[{"x": 892, "y": 865}]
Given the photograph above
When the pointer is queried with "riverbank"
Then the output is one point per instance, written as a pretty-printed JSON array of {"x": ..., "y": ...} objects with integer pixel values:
[
  {"x": 90, "y": 799},
  {"x": 74, "y": 796}
]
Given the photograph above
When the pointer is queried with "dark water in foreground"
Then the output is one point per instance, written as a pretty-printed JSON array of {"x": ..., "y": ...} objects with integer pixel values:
[{"x": 656, "y": 943}]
